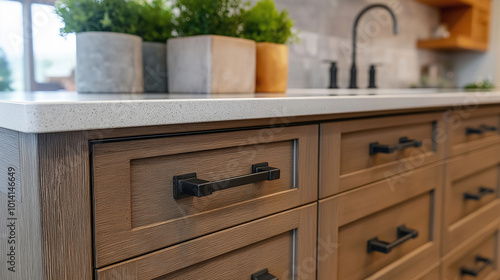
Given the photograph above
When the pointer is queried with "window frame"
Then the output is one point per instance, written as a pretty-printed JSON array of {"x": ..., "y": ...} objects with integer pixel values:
[{"x": 30, "y": 84}]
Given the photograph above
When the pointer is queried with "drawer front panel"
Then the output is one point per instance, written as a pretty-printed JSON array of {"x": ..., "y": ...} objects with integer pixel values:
[
  {"x": 472, "y": 198},
  {"x": 473, "y": 129},
  {"x": 475, "y": 259},
  {"x": 434, "y": 274},
  {"x": 134, "y": 186},
  {"x": 359, "y": 152},
  {"x": 367, "y": 224},
  {"x": 284, "y": 244}
]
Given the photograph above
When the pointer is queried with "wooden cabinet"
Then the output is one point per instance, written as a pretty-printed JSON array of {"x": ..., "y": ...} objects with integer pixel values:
[
  {"x": 284, "y": 244},
  {"x": 373, "y": 197},
  {"x": 468, "y": 22},
  {"x": 431, "y": 274},
  {"x": 472, "y": 195},
  {"x": 472, "y": 128},
  {"x": 136, "y": 211},
  {"x": 386, "y": 230},
  {"x": 477, "y": 258},
  {"x": 358, "y": 152}
]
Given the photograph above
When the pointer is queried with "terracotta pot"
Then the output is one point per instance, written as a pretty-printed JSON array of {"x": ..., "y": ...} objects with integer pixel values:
[
  {"x": 211, "y": 64},
  {"x": 272, "y": 67}
]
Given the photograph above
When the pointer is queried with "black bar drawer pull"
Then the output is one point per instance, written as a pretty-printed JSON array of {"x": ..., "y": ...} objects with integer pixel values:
[
  {"x": 404, "y": 143},
  {"x": 481, "y": 130},
  {"x": 263, "y": 275},
  {"x": 483, "y": 191},
  {"x": 404, "y": 234},
  {"x": 190, "y": 185},
  {"x": 475, "y": 272}
]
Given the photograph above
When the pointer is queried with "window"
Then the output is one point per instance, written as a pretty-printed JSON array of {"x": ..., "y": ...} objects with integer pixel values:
[
  {"x": 11, "y": 42},
  {"x": 39, "y": 58},
  {"x": 54, "y": 55}
]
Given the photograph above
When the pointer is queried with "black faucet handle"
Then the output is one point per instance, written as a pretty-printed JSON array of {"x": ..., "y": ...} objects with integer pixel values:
[
  {"x": 373, "y": 74},
  {"x": 333, "y": 74}
]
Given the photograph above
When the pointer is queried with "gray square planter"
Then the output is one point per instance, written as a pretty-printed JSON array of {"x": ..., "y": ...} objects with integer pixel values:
[
  {"x": 154, "y": 56},
  {"x": 211, "y": 64},
  {"x": 108, "y": 62}
]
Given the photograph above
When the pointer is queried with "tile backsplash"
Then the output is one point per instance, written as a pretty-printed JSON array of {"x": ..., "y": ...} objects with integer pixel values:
[{"x": 326, "y": 35}]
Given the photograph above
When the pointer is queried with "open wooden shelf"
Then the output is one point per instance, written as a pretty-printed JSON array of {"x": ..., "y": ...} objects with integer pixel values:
[
  {"x": 456, "y": 3},
  {"x": 453, "y": 43},
  {"x": 468, "y": 22}
]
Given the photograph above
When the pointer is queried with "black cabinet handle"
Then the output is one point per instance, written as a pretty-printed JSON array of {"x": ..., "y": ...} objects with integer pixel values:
[
  {"x": 483, "y": 191},
  {"x": 404, "y": 143},
  {"x": 263, "y": 275},
  {"x": 475, "y": 272},
  {"x": 190, "y": 185},
  {"x": 404, "y": 234},
  {"x": 481, "y": 130}
]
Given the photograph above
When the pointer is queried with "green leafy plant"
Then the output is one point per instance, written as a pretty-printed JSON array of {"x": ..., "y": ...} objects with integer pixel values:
[
  {"x": 482, "y": 85},
  {"x": 155, "y": 21},
  {"x": 264, "y": 23},
  {"x": 5, "y": 80},
  {"x": 209, "y": 17},
  {"x": 98, "y": 15}
]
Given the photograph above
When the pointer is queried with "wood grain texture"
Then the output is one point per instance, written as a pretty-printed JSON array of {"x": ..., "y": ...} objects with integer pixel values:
[
  {"x": 133, "y": 186},
  {"x": 357, "y": 167},
  {"x": 27, "y": 230},
  {"x": 65, "y": 205},
  {"x": 350, "y": 219},
  {"x": 269, "y": 122},
  {"x": 484, "y": 243},
  {"x": 432, "y": 273},
  {"x": 460, "y": 119},
  {"x": 466, "y": 173},
  {"x": 284, "y": 243}
]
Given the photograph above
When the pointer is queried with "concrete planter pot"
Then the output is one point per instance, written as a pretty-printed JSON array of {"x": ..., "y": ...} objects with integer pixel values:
[
  {"x": 108, "y": 62},
  {"x": 211, "y": 64},
  {"x": 272, "y": 67},
  {"x": 154, "y": 57}
]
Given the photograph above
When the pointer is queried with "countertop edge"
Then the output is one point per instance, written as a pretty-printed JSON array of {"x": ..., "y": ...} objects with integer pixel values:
[{"x": 33, "y": 117}]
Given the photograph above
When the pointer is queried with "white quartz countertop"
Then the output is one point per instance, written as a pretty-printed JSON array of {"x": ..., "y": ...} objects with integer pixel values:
[{"x": 43, "y": 112}]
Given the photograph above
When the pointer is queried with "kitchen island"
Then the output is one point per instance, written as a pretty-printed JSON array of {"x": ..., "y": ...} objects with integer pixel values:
[{"x": 326, "y": 184}]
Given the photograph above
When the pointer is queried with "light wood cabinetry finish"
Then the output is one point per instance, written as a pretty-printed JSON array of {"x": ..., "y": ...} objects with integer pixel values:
[
  {"x": 348, "y": 161},
  {"x": 285, "y": 244},
  {"x": 433, "y": 273},
  {"x": 478, "y": 256},
  {"x": 410, "y": 195},
  {"x": 472, "y": 128},
  {"x": 468, "y": 22},
  {"x": 354, "y": 219},
  {"x": 135, "y": 209},
  {"x": 472, "y": 198}
]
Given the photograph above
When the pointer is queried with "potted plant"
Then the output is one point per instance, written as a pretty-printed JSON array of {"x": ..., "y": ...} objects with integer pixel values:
[
  {"x": 109, "y": 56},
  {"x": 5, "y": 81},
  {"x": 209, "y": 56},
  {"x": 272, "y": 30},
  {"x": 155, "y": 26}
]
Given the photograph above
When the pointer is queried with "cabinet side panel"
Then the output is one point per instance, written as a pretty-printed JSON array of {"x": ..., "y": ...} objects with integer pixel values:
[
  {"x": 20, "y": 228},
  {"x": 66, "y": 205}
]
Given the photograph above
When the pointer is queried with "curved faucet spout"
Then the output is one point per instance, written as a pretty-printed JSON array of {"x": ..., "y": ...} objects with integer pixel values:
[{"x": 353, "y": 82}]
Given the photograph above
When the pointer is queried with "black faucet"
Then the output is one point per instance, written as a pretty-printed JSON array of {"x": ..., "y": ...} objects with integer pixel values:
[{"x": 353, "y": 83}]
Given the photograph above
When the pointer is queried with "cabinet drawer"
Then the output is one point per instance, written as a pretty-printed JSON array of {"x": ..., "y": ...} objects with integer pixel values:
[
  {"x": 351, "y": 157},
  {"x": 473, "y": 129},
  {"x": 135, "y": 208},
  {"x": 431, "y": 274},
  {"x": 476, "y": 257},
  {"x": 285, "y": 244},
  {"x": 403, "y": 212},
  {"x": 472, "y": 195}
]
